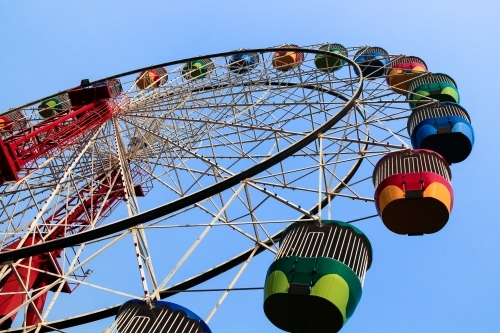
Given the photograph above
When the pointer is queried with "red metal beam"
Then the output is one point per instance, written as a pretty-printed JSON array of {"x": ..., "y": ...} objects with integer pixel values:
[
  {"x": 27, "y": 276},
  {"x": 103, "y": 199},
  {"x": 52, "y": 135}
]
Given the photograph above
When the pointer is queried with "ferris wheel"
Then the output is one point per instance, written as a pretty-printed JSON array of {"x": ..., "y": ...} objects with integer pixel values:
[{"x": 164, "y": 181}]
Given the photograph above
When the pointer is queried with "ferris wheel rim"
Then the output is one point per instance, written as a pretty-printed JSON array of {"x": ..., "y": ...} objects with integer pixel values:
[
  {"x": 182, "y": 202},
  {"x": 275, "y": 236},
  {"x": 177, "y": 62}
]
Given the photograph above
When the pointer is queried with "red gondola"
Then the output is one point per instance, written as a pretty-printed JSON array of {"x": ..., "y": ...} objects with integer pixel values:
[{"x": 413, "y": 192}]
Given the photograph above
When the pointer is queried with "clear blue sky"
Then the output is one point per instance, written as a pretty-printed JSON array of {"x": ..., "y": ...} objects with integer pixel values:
[{"x": 446, "y": 282}]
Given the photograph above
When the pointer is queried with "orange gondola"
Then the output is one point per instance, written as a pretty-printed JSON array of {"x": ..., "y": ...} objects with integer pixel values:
[
  {"x": 286, "y": 60},
  {"x": 413, "y": 193},
  {"x": 402, "y": 70},
  {"x": 151, "y": 78}
]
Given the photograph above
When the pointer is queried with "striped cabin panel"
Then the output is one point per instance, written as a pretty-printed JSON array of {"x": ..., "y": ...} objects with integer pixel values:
[{"x": 306, "y": 240}]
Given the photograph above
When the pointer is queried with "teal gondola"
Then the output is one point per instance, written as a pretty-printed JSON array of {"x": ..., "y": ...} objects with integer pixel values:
[
  {"x": 54, "y": 105},
  {"x": 315, "y": 281},
  {"x": 327, "y": 63},
  {"x": 434, "y": 86},
  {"x": 198, "y": 69}
]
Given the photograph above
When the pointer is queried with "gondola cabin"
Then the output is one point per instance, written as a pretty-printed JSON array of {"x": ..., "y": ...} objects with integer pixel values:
[
  {"x": 316, "y": 279},
  {"x": 5, "y": 124},
  {"x": 86, "y": 94},
  {"x": 402, "y": 70},
  {"x": 435, "y": 86},
  {"x": 445, "y": 128},
  {"x": 137, "y": 316},
  {"x": 12, "y": 121},
  {"x": 286, "y": 60},
  {"x": 152, "y": 78},
  {"x": 413, "y": 193},
  {"x": 54, "y": 105},
  {"x": 327, "y": 63},
  {"x": 372, "y": 61},
  {"x": 243, "y": 62},
  {"x": 198, "y": 69}
]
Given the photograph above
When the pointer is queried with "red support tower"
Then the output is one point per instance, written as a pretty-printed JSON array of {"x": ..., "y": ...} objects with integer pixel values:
[
  {"x": 41, "y": 270},
  {"x": 90, "y": 109}
]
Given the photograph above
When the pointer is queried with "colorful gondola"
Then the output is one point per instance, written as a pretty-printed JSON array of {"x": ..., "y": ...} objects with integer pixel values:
[
  {"x": 445, "y": 128},
  {"x": 413, "y": 193},
  {"x": 137, "y": 316},
  {"x": 327, "y": 63},
  {"x": 242, "y": 63},
  {"x": 198, "y": 69},
  {"x": 435, "y": 86},
  {"x": 372, "y": 61},
  {"x": 286, "y": 60},
  {"x": 315, "y": 281},
  {"x": 152, "y": 78},
  {"x": 402, "y": 70}
]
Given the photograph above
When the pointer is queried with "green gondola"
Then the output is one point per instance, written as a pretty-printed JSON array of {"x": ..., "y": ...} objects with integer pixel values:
[
  {"x": 197, "y": 69},
  {"x": 315, "y": 282},
  {"x": 435, "y": 86},
  {"x": 54, "y": 105},
  {"x": 330, "y": 64}
]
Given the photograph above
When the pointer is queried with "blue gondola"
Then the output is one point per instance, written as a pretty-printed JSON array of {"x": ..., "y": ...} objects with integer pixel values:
[
  {"x": 445, "y": 128},
  {"x": 243, "y": 62},
  {"x": 136, "y": 316},
  {"x": 372, "y": 61}
]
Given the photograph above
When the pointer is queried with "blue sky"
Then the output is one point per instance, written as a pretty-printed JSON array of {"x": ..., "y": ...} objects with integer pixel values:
[{"x": 446, "y": 282}]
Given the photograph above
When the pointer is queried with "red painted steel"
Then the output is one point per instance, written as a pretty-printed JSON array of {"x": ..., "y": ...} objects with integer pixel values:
[
  {"x": 86, "y": 95},
  {"x": 50, "y": 136},
  {"x": 36, "y": 272},
  {"x": 39, "y": 271},
  {"x": 29, "y": 275}
]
